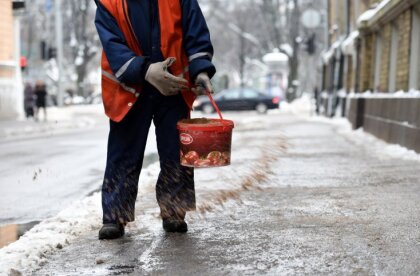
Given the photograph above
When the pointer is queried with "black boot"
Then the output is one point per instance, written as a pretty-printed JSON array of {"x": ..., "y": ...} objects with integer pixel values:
[
  {"x": 175, "y": 225},
  {"x": 110, "y": 231}
]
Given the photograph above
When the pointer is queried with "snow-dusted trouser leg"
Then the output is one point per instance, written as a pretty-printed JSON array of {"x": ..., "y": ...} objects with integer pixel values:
[
  {"x": 175, "y": 186},
  {"x": 126, "y": 144}
]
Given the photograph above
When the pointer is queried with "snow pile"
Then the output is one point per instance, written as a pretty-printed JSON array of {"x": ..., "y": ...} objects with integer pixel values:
[
  {"x": 33, "y": 248},
  {"x": 369, "y": 14},
  {"x": 59, "y": 119},
  {"x": 301, "y": 106},
  {"x": 398, "y": 94},
  {"x": 327, "y": 55},
  {"x": 368, "y": 141},
  {"x": 348, "y": 46}
]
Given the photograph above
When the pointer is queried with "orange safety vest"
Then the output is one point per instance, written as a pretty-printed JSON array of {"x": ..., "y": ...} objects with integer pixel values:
[{"x": 118, "y": 98}]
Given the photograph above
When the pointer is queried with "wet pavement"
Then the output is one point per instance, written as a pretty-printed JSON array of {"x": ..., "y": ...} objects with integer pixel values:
[{"x": 326, "y": 206}]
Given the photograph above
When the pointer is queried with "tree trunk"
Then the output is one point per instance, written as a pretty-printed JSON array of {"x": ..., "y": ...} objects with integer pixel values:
[
  {"x": 242, "y": 60},
  {"x": 294, "y": 59}
]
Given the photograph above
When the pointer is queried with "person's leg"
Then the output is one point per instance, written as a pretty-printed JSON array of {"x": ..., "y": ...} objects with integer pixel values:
[
  {"x": 175, "y": 186},
  {"x": 36, "y": 113},
  {"x": 126, "y": 144},
  {"x": 45, "y": 112}
]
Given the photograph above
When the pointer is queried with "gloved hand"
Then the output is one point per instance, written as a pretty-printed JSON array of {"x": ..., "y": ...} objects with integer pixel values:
[
  {"x": 167, "y": 84},
  {"x": 203, "y": 84}
]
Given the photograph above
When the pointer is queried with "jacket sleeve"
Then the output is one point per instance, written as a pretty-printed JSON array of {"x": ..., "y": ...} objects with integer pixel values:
[
  {"x": 125, "y": 64},
  {"x": 197, "y": 41}
]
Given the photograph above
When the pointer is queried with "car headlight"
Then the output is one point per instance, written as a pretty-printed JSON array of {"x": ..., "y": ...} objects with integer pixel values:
[{"x": 197, "y": 103}]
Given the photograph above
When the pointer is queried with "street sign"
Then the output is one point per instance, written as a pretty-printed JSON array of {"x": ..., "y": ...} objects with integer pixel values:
[{"x": 311, "y": 18}]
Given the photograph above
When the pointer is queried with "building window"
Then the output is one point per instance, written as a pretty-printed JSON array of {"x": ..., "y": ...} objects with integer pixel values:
[
  {"x": 415, "y": 50},
  {"x": 393, "y": 59},
  {"x": 377, "y": 64}
]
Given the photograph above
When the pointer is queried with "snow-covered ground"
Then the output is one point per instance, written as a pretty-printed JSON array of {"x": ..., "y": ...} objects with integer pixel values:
[
  {"x": 398, "y": 94},
  {"x": 302, "y": 107},
  {"x": 31, "y": 250},
  {"x": 59, "y": 120},
  {"x": 47, "y": 168},
  {"x": 366, "y": 140}
]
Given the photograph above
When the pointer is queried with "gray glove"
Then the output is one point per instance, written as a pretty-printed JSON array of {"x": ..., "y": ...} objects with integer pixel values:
[
  {"x": 203, "y": 84},
  {"x": 167, "y": 84}
]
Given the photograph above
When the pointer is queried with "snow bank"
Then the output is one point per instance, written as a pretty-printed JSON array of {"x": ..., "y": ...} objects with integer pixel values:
[
  {"x": 368, "y": 141},
  {"x": 398, "y": 94},
  {"x": 59, "y": 119},
  {"x": 301, "y": 106},
  {"x": 369, "y": 14},
  {"x": 33, "y": 248}
]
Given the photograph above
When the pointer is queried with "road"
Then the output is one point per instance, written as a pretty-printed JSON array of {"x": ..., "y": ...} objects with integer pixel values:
[
  {"x": 326, "y": 206},
  {"x": 41, "y": 175}
]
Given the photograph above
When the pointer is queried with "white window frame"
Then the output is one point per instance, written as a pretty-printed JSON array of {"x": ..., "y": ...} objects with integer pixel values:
[
  {"x": 414, "y": 81},
  {"x": 392, "y": 84}
]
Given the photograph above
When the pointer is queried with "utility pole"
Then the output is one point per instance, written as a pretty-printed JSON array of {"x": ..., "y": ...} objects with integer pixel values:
[{"x": 59, "y": 45}]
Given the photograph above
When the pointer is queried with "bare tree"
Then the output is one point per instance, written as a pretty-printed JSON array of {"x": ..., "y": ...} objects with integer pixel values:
[
  {"x": 82, "y": 39},
  {"x": 261, "y": 26},
  {"x": 81, "y": 42}
]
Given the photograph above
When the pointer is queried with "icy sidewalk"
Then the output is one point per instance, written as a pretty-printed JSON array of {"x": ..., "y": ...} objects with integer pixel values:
[
  {"x": 216, "y": 186},
  {"x": 58, "y": 120},
  {"x": 326, "y": 206}
]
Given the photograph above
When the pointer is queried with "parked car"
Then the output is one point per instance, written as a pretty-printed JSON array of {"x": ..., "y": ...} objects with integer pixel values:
[{"x": 238, "y": 99}]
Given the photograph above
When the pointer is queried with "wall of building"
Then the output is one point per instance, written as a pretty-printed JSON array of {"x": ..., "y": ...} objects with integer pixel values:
[
  {"x": 393, "y": 119},
  {"x": 366, "y": 65},
  {"x": 385, "y": 57},
  {"x": 387, "y": 60},
  {"x": 402, "y": 25},
  {"x": 10, "y": 97},
  {"x": 6, "y": 34},
  {"x": 403, "y": 63}
]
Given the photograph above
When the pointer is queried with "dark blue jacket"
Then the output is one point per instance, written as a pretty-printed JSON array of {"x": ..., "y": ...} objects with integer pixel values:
[{"x": 144, "y": 16}]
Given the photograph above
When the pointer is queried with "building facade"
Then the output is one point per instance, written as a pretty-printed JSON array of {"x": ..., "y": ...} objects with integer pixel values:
[
  {"x": 11, "y": 99},
  {"x": 372, "y": 67}
]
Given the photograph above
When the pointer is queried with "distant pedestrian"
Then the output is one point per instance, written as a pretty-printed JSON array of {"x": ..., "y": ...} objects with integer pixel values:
[
  {"x": 29, "y": 100},
  {"x": 41, "y": 99},
  {"x": 316, "y": 96}
]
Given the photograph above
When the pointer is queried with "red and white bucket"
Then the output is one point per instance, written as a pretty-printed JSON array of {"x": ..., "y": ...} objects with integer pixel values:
[{"x": 205, "y": 143}]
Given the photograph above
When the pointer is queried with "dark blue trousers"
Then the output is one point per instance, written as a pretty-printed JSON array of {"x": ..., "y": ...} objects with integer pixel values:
[{"x": 126, "y": 144}]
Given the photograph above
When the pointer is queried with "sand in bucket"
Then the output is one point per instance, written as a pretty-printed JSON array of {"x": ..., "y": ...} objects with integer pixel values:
[{"x": 205, "y": 142}]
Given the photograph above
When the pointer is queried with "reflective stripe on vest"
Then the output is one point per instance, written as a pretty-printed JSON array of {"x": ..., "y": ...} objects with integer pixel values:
[
  {"x": 116, "y": 103},
  {"x": 125, "y": 87}
]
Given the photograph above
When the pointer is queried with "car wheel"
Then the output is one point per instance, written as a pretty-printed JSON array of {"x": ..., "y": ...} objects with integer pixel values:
[
  {"x": 261, "y": 108},
  {"x": 208, "y": 109}
]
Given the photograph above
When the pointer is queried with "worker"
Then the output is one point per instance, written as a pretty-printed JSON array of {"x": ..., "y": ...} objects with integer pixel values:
[{"x": 154, "y": 54}]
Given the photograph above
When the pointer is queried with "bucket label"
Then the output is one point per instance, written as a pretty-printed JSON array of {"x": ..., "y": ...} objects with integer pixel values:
[{"x": 186, "y": 139}]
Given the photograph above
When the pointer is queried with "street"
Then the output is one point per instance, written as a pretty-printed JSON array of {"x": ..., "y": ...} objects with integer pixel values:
[
  {"x": 41, "y": 175},
  {"x": 321, "y": 176},
  {"x": 326, "y": 205}
]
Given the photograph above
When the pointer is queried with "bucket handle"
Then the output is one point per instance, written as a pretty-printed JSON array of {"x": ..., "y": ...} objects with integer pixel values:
[
  {"x": 214, "y": 104},
  {"x": 208, "y": 92}
]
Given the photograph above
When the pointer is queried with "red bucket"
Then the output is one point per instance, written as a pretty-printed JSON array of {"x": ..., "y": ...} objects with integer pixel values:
[{"x": 205, "y": 143}]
